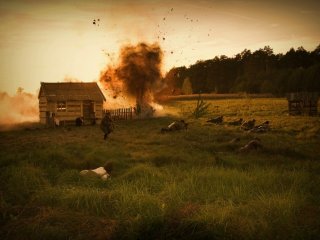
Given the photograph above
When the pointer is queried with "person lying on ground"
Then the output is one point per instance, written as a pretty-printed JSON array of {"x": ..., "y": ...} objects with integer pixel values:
[
  {"x": 175, "y": 126},
  {"x": 216, "y": 120}
]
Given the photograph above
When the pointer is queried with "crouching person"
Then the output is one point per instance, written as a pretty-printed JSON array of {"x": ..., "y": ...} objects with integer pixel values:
[{"x": 79, "y": 121}]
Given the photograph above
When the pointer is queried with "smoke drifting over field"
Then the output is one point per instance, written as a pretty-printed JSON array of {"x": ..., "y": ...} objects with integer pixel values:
[
  {"x": 22, "y": 107},
  {"x": 137, "y": 75}
]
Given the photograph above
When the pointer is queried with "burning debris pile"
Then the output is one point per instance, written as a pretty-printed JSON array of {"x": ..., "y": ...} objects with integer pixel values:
[{"x": 137, "y": 76}]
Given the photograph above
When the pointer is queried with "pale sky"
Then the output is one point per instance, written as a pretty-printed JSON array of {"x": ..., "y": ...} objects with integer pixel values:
[{"x": 48, "y": 41}]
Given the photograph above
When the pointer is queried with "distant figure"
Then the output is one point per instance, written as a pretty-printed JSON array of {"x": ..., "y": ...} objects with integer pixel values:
[
  {"x": 248, "y": 125},
  {"x": 55, "y": 120},
  {"x": 262, "y": 128},
  {"x": 176, "y": 125},
  {"x": 216, "y": 120},
  {"x": 236, "y": 122},
  {"x": 254, "y": 144},
  {"x": 79, "y": 121},
  {"x": 106, "y": 125},
  {"x": 137, "y": 109}
]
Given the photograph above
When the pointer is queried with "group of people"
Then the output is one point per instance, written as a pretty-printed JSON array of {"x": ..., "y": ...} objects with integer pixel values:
[
  {"x": 107, "y": 127},
  {"x": 244, "y": 125}
]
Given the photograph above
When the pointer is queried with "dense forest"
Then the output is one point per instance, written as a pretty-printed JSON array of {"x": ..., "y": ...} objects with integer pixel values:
[{"x": 260, "y": 71}]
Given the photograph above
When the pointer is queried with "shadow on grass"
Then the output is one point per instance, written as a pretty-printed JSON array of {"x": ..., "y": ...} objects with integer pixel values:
[
  {"x": 286, "y": 152},
  {"x": 55, "y": 223},
  {"x": 169, "y": 227}
]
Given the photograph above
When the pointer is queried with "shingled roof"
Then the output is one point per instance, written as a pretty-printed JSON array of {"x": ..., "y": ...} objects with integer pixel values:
[{"x": 67, "y": 91}]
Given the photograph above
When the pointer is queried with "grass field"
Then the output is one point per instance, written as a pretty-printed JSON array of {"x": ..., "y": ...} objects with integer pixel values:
[{"x": 182, "y": 185}]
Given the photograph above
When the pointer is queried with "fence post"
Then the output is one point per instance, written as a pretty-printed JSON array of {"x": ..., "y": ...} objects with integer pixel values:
[{"x": 121, "y": 113}]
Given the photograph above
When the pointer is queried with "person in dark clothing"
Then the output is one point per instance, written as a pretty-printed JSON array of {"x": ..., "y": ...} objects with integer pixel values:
[
  {"x": 106, "y": 125},
  {"x": 79, "y": 121},
  {"x": 216, "y": 120}
]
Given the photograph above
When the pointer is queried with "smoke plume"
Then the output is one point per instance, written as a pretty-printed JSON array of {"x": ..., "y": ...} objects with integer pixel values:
[
  {"x": 70, "y": 79},
  {"x": 137, "y": 75},
  {"x": 22, "y": 107}
]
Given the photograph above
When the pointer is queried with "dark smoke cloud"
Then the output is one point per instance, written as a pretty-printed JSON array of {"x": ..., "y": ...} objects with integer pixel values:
[{"x": 138, "y": 73}]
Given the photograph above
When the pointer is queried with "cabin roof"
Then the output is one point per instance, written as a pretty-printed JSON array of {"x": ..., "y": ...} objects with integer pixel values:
[
  {"x": 299, "y": 96},
  {"x": 67, "y": 91}
]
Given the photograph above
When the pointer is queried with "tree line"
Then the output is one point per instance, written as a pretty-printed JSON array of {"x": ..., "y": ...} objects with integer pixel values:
[{"x": 260, "y": 71}]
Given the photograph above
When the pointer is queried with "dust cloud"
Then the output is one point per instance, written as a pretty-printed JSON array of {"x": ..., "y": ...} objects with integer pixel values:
[{"x": 19, "y": 108}]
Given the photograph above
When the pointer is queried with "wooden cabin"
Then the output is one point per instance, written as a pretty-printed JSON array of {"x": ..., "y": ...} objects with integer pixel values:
[
  {"x": 303, "y": 103},
  {"x": 68, "y": 101}
]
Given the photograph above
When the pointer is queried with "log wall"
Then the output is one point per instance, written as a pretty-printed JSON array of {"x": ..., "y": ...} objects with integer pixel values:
[{"x": 74, "y": 110}]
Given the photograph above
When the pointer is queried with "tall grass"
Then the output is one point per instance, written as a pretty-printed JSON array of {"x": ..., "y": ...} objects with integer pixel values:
[
  {"x": 182, "y": 185},
  {"x": 20, "y": 183}
]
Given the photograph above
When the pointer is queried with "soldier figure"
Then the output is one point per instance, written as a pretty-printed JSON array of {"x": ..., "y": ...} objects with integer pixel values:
[
  {"x": 106, "y": 125},
  {"x": 176, "y": 125}
]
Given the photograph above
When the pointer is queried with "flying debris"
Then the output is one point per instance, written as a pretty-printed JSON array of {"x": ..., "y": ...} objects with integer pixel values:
[
  {"x": 164, "y": 19},
  {"x": 105, "y": 52},
  {"x": 163, "y": 38},
  {"x": 96, "y": 22},
  {"x": 171, "y": 52},
  {"x": 171, "y": 9}
]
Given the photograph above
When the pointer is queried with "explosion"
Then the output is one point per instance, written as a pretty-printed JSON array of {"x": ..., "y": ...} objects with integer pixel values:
[{"x": 137, "y": 76}]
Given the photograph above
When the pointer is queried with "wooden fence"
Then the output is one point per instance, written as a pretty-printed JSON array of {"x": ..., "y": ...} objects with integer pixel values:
[{"x": 121, "y": 113}]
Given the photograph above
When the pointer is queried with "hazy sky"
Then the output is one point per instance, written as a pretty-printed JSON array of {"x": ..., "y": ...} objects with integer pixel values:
[{"x": 52, "y": 40}]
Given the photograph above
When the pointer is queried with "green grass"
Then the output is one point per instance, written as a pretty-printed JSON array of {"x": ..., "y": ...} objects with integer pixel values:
[{"x": 182, "y": 185}]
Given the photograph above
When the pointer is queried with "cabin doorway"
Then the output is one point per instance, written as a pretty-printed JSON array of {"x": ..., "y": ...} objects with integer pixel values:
[{"x": 88, "y": 110}]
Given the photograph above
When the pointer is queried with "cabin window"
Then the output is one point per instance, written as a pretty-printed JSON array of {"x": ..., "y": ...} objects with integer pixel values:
[{"x": 61, "y": 106}]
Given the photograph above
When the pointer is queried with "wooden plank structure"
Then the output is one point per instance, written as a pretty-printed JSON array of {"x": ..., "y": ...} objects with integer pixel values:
[
  {"x": 121, "y": 113},
  {"x": 303, "y": 103},
  {"x": 65, "y": 102}
]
